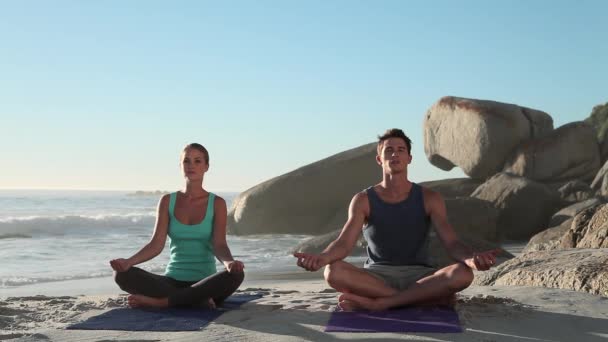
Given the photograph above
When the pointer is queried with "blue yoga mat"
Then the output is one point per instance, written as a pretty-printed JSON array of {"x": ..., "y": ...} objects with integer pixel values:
[
  {"x": 170, "y": 319},
  {"x": 411, "y": 319}
]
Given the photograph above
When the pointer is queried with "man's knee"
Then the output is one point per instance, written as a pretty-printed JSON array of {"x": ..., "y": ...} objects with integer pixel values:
[
  {"x": 334, "y": 274},
  {"x": 460, "y": 276}
]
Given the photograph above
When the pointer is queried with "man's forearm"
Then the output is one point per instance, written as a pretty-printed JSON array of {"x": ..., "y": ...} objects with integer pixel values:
[
  {"x": 335, "y": 251},
  {"x": 460, "y": 252}
]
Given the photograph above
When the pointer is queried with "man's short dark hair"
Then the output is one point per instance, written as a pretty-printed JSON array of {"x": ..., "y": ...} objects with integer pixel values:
[{"x": 394, "y": 133}]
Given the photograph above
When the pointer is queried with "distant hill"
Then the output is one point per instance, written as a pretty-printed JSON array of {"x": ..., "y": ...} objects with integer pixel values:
[{"x": 148, "y": 193}]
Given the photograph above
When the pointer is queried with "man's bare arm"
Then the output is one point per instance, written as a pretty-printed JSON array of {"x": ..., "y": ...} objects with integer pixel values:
[
  {"x": 341, "y": 247},
  {"x": 455, "y": 248}
]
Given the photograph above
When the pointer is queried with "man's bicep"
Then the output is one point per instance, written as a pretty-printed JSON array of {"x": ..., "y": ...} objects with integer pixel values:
[
  {"x": 356, "y": 219},
  {"x": 439, "y": 217}
]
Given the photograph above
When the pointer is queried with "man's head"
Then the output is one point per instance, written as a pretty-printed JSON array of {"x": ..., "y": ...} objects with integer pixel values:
[
  {"x": 394, "y": 150},
  {"x": 394, "y": 133}
]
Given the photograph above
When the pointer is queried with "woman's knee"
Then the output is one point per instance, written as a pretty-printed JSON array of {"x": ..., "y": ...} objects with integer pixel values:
[
  {"x": 122, "y": 279},
  {"x": 238, "y": 277}
]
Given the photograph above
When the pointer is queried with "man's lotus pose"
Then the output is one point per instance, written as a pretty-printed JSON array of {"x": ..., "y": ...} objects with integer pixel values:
[{"x": 395, "y": 217}]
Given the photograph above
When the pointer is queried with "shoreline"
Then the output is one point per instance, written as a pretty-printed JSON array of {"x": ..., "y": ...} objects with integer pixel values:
[{"x": 106, "y": 285}]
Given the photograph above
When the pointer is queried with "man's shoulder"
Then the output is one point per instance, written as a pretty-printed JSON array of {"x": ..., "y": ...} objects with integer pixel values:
[
  {"x": 361, "y": 195},
  {"x": 429, "y": 194}
]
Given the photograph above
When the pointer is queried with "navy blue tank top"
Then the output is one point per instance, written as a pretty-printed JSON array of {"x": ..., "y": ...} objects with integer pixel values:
[{"x": 395, "y": 233}]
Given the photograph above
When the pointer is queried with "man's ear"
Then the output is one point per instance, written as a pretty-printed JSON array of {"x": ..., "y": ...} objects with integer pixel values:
[
  {"x": 409, "y": 159},
  {"x": 378, "y": 160}
]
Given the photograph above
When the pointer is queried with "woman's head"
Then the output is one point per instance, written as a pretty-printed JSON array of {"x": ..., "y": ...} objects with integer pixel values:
[{"x": 194, "y": 161}]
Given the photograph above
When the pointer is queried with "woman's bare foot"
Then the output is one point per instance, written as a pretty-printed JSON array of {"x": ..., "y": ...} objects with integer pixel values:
[{"x": 136, "y": 301}]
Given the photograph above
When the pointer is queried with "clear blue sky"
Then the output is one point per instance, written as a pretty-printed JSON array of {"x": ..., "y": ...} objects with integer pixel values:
[{"x": 104, "y": 94}]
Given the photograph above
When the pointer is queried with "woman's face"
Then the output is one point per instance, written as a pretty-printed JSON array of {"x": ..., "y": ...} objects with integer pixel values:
[{"x": 193, "y": 164}]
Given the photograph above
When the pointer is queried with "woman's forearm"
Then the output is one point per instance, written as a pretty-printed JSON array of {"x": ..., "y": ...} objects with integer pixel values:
[
  {"x": 222, "y": 253},
  {"x": 146, "y": 253}
]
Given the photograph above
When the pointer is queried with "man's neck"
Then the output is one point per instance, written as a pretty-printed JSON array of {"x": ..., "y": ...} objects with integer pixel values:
[{"x": 396, "y": 183}]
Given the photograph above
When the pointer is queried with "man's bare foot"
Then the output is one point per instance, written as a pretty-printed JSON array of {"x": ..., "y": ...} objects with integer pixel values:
[
  {"x": 136, "y": 301},
  {"x": 354, "y": 302},
  {"x": 211, "y": 304}
]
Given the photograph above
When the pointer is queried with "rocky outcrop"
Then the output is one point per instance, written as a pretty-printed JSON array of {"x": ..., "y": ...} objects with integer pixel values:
[
  {"x": 575, "y": 191},
  {"x": 567, "y": 153},
  {"x": 572, "y": 228},
  {"x": 600, "y": 182},
  {"x": 478, "y": 136},
  {"x": 582, "y": 270},
  {"x": 589, "y": 229},
  {"x": 309, "y": 200},
  {"x": 599, "y": 120},
  {"x": 524, "y": 206}
]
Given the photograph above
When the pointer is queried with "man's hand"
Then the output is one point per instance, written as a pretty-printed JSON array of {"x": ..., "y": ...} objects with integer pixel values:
[
  {"x": 234, "y": 266},
  {"x": 311, "y": 262},
  {"x": 483, "y": 261},
  {"x": 120, "y": 265}
]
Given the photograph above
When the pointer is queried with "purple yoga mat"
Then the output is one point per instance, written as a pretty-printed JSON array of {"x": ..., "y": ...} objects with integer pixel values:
[{"x": 414, "y": 319}]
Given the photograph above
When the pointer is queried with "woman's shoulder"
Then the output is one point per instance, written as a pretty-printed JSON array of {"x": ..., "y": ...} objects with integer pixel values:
[
  {"x": 164, "y": 200},
  {"x": 218, "y": 199}
]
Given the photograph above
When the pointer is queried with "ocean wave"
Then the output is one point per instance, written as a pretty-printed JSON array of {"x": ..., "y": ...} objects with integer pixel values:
[
  {"x": 21, "y": 281},
  {"x": 15, "y": 236},
  {"x": 61, "y": 224}
]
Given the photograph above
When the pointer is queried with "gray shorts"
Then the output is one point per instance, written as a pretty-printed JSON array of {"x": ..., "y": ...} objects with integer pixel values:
[{"x": 399, "y": 277}]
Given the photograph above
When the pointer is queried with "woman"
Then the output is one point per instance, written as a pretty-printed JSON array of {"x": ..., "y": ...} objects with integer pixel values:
[{"x": 195, "y": 220}]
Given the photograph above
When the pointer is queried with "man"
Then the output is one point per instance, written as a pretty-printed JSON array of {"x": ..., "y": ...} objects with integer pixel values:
[{"x": 395, "y": 217}]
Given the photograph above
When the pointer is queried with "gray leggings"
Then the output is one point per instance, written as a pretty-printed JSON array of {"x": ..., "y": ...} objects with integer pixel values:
[{"x": 180, "y": 293}]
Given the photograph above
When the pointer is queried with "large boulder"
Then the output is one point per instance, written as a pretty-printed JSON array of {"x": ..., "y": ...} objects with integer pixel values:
[
  {"x": 479, "y": 135},
  {"x": 567, "y": 153},
  {"x": 525, "y": 206},
  {"x": 549, "y": 238},
  {"x": 454, "y": 187},
  {"x": 318, "y": 244},
  {"x": 599, "y": 120},
  {"x": 573, "y": 269},
  {"x": 473, "y": 217},
  {"x": 309, "y": 200},
  {"x": 600, "y": 182}
]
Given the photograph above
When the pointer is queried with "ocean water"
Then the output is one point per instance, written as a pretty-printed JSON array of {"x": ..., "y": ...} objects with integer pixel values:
[{"x": 54, "y": 236}]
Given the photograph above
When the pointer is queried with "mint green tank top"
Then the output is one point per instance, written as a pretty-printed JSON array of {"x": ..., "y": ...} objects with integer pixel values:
[{"x": 192, "y": 257}]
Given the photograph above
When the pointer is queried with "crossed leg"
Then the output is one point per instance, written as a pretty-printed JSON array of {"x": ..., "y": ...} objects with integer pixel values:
[
  {"x": 363, "y": 290},
  {"x": 148, "y": 289}
]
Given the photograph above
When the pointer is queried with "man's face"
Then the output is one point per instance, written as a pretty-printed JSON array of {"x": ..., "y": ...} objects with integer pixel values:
[{"x": 394, "y": 157}]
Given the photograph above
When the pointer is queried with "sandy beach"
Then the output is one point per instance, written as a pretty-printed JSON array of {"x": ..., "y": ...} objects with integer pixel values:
[{"x": 297, "y": 306}]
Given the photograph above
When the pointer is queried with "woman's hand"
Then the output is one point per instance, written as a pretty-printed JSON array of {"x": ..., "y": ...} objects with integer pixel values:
[
  {"x": 120, "y": 265},
  {"x": 234, "y": 266}
]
